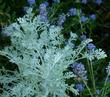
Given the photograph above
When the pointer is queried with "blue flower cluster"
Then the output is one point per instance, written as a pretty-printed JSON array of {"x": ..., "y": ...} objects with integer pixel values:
[
  {"x": 61, "y": 19},
  {"x": 43, "y": 12},
  {"x": 83, "y": 19},
  {"x": 91, "y": 46},
  {"x": 108, "y": 69},
  {"x": 83, "y": 37},
  {"x": 79, "y": 70},
  {"x": 80, "y": 87},
  {"x": 84, "y": 1},
  {"x": 72, "y": 12},
  {"x": 96, "y": 1},
  {"x": 31, "y": 2},
  {"x": 56, "y": 1},
  {"x": 92, "y": 16}
]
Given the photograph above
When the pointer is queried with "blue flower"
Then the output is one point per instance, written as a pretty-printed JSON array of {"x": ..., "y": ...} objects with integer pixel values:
[
  {"x": 44, "y": 17},
  {"x": 83, "y": 37},
  {"x": 80, "y": 87},
  {"x": 92, "y": 16},
  {"x": 43, "y": 11},
  {"x": 46, "y": 3},
  {"x": 79, "y": 70},
  {"x": 72, "y": 11},
  {"x": 84, "y": 1},
  {"x": 98, "y": 2},
  {"x": 108, "y": 69},
  {"x": 91, "y": 46},
  {"x": 61, "y": 19},
  {"x": 83, "y": 19},
  {"x": 31, "y": 2},
  {"x": 56, "y": 1},
  {"x": 42, "y": 7}
]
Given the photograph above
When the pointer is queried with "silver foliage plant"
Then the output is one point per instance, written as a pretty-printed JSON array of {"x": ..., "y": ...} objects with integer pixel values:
[{"x": 42, "y": 60}]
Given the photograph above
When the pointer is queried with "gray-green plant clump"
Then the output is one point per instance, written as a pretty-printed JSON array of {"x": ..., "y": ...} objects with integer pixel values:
[{"x": 38, "y": 50}]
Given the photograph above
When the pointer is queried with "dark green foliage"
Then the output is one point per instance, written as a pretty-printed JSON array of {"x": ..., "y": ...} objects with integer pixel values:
[{"x": 10, "y": 10}]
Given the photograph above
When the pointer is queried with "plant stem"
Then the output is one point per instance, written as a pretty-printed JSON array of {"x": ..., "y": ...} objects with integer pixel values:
[
  {"x": 79, "y": 17},
  {"x": 92, "y": 77},
  {"x": 103, "y": 89},
  {"x": 88, "y": 88}
]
